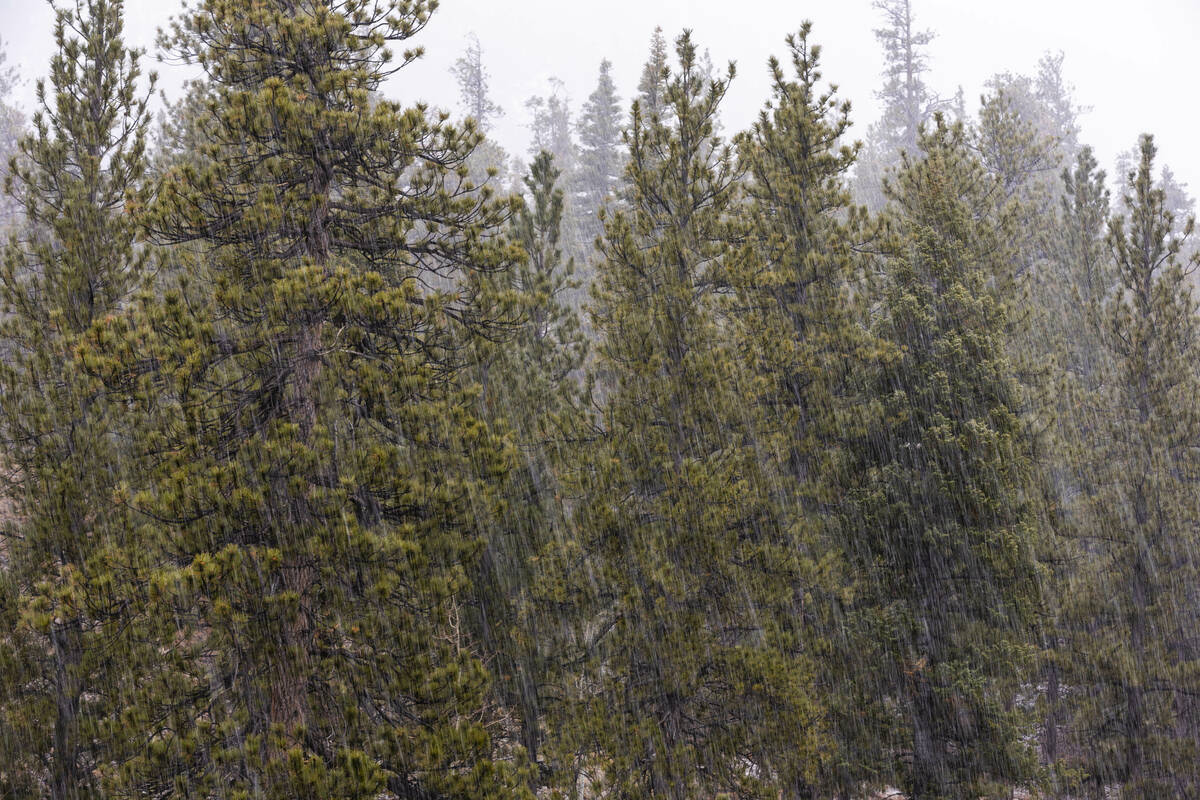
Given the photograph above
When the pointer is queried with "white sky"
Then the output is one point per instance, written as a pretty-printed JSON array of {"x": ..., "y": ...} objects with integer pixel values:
[{"x": 1133, "y": 64}]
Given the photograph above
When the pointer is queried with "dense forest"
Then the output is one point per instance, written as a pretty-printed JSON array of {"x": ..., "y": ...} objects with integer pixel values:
[{"x": 340, "y": 462}]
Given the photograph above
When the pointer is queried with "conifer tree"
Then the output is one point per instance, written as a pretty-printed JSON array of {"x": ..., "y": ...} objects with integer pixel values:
[
  {"x": 71, "y": 606},
  {"x": 1044, "y": 102},
  {"x": 652, "y": 86},
  {"x": 908, "y": 102},
  {"x": 12, "y": 126},
  {"x": 551, "y": 127},
  {"x": 1012, "y": 149},
  {"x": 694, "y": 683},
  {"x": 489, "y": 162},
  {"x": 552, "y": 131},
  {"x": 803, "y": 340},
  {"x": 530, "y": 393},
  {"x": 1083, "y": 273},
  {"x": 947, "y": 528},
  {"x": 1069, "y": 288},
  {"x": 310, "y": 467},
  {"x": 601, "y": 160},
  {"x": 1130, "y": 622},
  {"x": 1056, "y": 97},
  {"x": 474, "y": 86}
]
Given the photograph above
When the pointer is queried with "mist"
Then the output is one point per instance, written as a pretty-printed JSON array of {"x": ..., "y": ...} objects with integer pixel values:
[{"x": 448, "y": 400}]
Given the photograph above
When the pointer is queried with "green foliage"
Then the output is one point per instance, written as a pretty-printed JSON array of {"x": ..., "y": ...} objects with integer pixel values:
[
  {"x": 947, "y": 530},
  {"x": 309, "y": 466},
  {"x": 800, "y": 333},
  {"x": 652, "y": 86},
  {"x": 601, "y": 161},
  {"x": 530, "y": 392},
  {"x": 72, "y": 603},
  {"x": 1130, "y": 621},
  {"x": 693, "y": 680},
  {"x": 315, "y": 485}
]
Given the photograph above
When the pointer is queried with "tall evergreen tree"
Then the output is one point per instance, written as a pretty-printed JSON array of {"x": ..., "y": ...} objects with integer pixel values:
[
  {"x": 551, "y": 128},
  {"x": 12, "y": 126},
  {"x": 1057, "y": 97},
  {"x": 694, "y": 683},
  {"x": 310, "y": 465},
  {"x": 474, "y": 86},
  {"x": 652, "y": 85},
  {"x": 488, "y": 164},
  {"x": 601, "y": 160},
  {"x": 1130, "y": 623},
  {"x": 946, "y": 533},
  {"x": 908, "y": 102},
  {"x": 71, "y": 605},
  {"x": 530, "y": 392},
  {"x": 802, "y": 337},
  {"x": 552, "y": 131},
  {"x": 1069, "y": 289}
]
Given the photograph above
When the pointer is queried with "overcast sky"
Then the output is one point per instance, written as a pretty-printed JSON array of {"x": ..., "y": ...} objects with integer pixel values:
[{"x": 1132, "y": 64}]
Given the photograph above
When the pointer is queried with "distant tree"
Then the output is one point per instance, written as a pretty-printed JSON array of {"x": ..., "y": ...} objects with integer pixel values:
[
  {"x": 73, "y": 612},
  {"x": 1045, "y": 102},
  {"x": 693, "y": 683},
  {"x": 1057, "y": 97},
  {"x": 551, "y": 127},
  {"x": 1008, "y": 139},
  {"x": 652, "y": 86},
  {"x": 552, "y": 131},
  {"x": 947, "y": 527},
  {"x": 12, "y": 126},
  {"x": 908, "y": 102},
  {"x": 474, "y": 86},
  {"x": 601, "y": 159}
]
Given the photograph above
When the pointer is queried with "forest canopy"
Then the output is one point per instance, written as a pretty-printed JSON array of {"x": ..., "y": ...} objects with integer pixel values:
[{"x": 346, "y": 456}]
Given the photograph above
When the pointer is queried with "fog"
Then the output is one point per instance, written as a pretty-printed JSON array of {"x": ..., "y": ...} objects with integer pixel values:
[
  {"x": 494, "y": 428},
  {"x": 1131, "y": 66}
]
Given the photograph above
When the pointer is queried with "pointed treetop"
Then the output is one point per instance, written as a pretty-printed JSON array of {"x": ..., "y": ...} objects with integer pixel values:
[{"x": 474, "y": 85}]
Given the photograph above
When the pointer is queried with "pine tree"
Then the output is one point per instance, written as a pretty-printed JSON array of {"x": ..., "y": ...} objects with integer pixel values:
[
  {"x": 552, "y": 130},
  {"x": 652, "y": 86},
  {"x": 531, "y": 394},
  {"x": 947, "y": 528},
  {"x": 1069, "y": 288},
  {"x": 551, "y": 127},
  {"x": 488, "y": 165},
  {"x": 693, "y": 680},
  {"x": 1044, "y": 102},
  {"x": 1130, "y": 623},
  {"x": 12, "y": 127},
  {"x": 908, "y": 102},
  {"x": 801, "y": 335},
  {"x": 474, "y": 86},
  {"x": 601, "y": 160},
  {"x": 1057, "y": 97},
  {"x": 1012, "y": 148},
  {"x": 71, "y": 563},
  {"x": 311, "y": 467},
  {"x": 1083, "y": 257}
]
